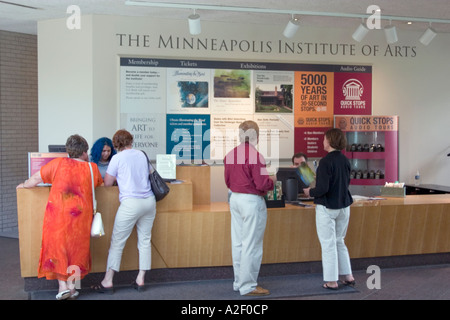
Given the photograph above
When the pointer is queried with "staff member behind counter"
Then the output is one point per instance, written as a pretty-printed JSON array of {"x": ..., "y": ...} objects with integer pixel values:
[
  {"x": 333, "y": 200},
  {"x": 298, "y": 159}
]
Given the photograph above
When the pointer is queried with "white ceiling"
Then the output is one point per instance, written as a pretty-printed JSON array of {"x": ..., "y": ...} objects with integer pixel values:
[{"x": 24, "y": 18}]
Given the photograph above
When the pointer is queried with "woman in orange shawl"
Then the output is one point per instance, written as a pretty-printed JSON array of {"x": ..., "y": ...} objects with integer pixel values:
[{"x": 68, "y": 215}]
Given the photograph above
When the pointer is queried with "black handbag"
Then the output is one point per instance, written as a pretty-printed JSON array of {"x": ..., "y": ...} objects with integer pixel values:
[{"x": 159, "y": 186}]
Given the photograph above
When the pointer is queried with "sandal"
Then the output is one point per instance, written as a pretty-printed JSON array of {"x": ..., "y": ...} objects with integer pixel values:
[
  {"x": 139, "y": 288},
  {"x": 63, "y": 295},
  {"x": 74, "y": 295},
  {"x": 101, "y": 289},
  {"x": 326, "y": 286},
  {"x": 349, "y": 283}
]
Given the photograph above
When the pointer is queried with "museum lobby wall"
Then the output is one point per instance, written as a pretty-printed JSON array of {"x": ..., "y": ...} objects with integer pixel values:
[{"x": 78, "y": 77}]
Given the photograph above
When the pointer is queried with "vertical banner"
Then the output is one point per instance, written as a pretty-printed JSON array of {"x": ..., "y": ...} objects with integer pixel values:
[
  {"x": 188, "y": 137},
  {"x": 352, "y": 93},
  {"x": 188, "y": 91},
  {"x": 314, "y": 95}
]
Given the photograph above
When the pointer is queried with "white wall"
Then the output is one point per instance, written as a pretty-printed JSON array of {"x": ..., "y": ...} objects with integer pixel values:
[
  {"x": 64, "y": 82},
  {"x": 78, "y": 79}
]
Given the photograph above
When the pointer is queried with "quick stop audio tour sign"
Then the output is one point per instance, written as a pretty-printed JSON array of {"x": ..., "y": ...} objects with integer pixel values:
[{"x": 353, "y": 93}]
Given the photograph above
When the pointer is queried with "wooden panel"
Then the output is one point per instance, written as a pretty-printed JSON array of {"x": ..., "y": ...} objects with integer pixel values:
[
  {"x": 385, "y": 235},
  {"x": 431, "y": 228},
  {"x": 443, "y": 232},
  {"x": 201, "y": 179},
  {"x": 31, "y": 205},
  {"x": 193, "y": 239},
  {"x": 363, "y": 230},
  {"x": 180, "y": 197},
  {"x": 291, "y": 236}
]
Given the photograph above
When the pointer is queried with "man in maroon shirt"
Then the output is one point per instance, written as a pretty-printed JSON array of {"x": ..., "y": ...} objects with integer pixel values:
[{"x": 247, "y": 178}]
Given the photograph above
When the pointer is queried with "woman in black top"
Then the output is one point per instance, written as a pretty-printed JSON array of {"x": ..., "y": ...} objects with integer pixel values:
[{"x": 333, "y": 200}]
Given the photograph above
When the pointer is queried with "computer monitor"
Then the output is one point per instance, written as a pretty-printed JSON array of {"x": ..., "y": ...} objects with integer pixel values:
[
  {"x": 56, "y": 148},
  {"x": 283, "y": 174}
]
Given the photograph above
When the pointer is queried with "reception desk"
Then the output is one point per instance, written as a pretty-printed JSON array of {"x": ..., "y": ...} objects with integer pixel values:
[{"x": 190, "y": 232}]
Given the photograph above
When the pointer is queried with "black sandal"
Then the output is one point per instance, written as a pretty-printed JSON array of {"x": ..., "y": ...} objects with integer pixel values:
[
  {"x": 99, "y": 288},
  {"x": 138, "y": 287},
  {"x": 349, "y": 283},
  {"x": 326, "y": 286}
]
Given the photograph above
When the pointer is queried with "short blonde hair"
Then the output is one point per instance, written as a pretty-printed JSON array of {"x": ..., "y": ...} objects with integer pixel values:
[{"x": 249, "y": 132}]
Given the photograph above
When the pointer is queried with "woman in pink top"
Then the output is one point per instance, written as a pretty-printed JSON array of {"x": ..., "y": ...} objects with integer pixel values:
[{"x": 137, "y": 207}]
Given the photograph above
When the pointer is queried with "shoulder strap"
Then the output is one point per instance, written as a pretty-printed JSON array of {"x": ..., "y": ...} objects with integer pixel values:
[
  {"x": 93, "y": 189},
  {"x": 150, "y": 167}
]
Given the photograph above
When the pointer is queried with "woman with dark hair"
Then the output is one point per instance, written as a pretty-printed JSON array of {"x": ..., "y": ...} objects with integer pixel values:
[
  {"x": 137, "y": 208},
  {"x": 66, "y": 230},
  {"x": 333, "y": 200},
  {"x": 101, "y": 153}
]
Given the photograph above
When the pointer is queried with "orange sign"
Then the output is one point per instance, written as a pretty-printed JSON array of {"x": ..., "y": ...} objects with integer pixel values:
[
  {"x": 367, "y": 123},
  {"x": 313, "y": 99}
]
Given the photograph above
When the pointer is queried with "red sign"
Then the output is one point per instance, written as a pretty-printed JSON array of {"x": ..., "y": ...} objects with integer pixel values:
[
  {"x": 310, "y": 141},
  {"x": 353, "y": 93}
]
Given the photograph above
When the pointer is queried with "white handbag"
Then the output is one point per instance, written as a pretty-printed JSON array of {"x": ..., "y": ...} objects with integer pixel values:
[{"x": 97, "y": 222}]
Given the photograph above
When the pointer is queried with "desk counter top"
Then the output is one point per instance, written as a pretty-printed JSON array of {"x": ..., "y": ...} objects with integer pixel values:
[{"x": 378, "y": 201}]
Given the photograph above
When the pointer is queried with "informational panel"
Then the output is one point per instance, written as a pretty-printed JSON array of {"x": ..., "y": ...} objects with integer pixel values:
[
  {"x": 36, "y": 160},
  {"x": 193, "y": 108}
]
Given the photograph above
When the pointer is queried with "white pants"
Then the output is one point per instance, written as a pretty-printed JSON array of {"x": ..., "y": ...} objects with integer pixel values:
[
  {"x": 131, "y": 212},
  {"x": 248, "y": 223},
  {"x": 331, "y": 229}
]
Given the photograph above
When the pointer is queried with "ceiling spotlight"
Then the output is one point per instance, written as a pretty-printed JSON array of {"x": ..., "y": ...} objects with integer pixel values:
[
  {"x": 391, "y": 34},
  {"x": 291, "y": 27},
  {"x": 427, "y": 36},
  {"x": 195, "y": 26},
  {"x": 360, "y": 32}
]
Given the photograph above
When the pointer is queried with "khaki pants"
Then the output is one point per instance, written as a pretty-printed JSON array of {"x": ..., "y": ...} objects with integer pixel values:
[
  {"x": 131, "y": 212},
  {"x": 248, "y": 223},
  {"x": 331, "y": 229}
]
